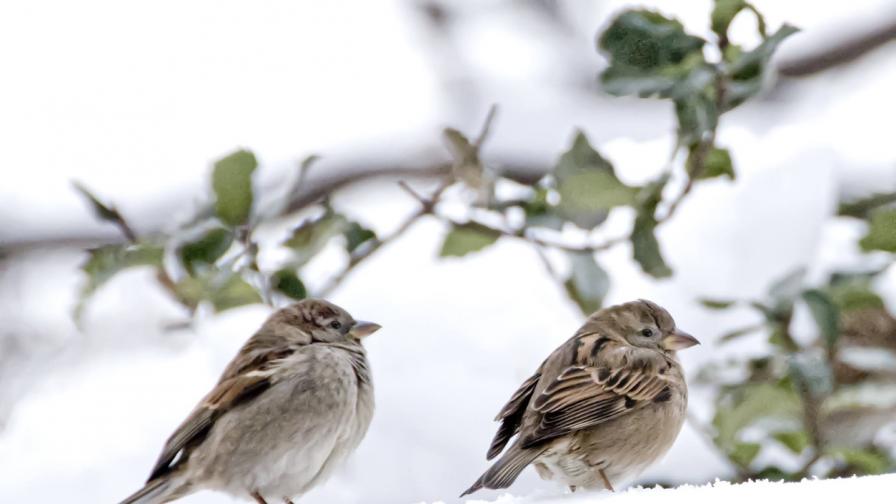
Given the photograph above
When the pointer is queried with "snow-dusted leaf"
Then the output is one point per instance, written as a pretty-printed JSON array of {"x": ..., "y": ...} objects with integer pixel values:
[
  {"x": 465, "y": 238},
  {"x": 588, "y": 282}
]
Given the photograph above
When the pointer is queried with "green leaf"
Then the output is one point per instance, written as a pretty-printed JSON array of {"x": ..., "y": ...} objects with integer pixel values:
[
  {"x": 795, "y": 441},
  {"x": 312, "y": 235},
  {"x": 744, "y": 453},
  {"x": 861, "y": 208},
  {"x": 717, "y": 304},
  {"x": 737, "y": 333},
  {"x": 748, "y": 405},
  {"x": 356, "y": 235},
  {"x": 648, "y": 54},
  {"x": 784, "y": 291},
  {"x": 232, "y": 183},
  {"x": 812, "y": 374},
  {"x": 223, "y": 289},
  {"x": 865, "y": 461},
  {"x": 588, "y": 283},
  {"x": 105, "y": 262},
  {"x": 882, "y": 231},
  {"x": 716, "y": 164},
  {"x": 465, "y": 238},
  {"x": 723, "y": 13},
  {"x": 206, "y": 250},
  {"x": 539, "y": 213},
  {"x": 645, "y": 247},
  {"x": 467, "y": 165},
  {"x": 826, "y": 315},
  {"x": 852, "y": 291},
  {"x": 587, "y": 185},
  {"x": 232, "y": 293},
  {"x": 697, "y": 115},
  {"x": 287, "y": 282},
  {"x": 747, "y": 71},
  {"x": 100, "y": 209}
]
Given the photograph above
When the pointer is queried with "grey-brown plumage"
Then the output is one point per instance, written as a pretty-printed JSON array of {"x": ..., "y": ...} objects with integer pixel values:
[
  {"x": 292, "y": 404},
  {"x": 601, "y": 408}
]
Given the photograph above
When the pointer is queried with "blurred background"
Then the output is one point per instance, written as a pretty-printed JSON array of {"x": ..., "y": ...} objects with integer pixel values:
[{"x": 118, "y": 313}]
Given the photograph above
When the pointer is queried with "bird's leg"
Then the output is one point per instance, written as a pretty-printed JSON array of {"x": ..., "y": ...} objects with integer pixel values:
[
  {"x": 572, "y": 488},
  {"x": 607, "y": 484},
  {"x": 258, "y": 498}
]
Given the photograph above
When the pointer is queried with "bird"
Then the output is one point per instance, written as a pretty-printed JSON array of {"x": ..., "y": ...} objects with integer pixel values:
[
  {"x": 601, "y": 408},
  {"x": 293, "y": 403}
]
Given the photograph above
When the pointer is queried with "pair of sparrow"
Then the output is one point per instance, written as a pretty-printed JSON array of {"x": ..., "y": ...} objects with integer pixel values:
[{"x": 298, "y": 397}]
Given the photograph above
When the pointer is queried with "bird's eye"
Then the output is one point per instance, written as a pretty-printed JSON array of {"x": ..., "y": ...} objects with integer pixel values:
[
  {"x": 336, "y": 324},
  {"x": 647, "y": 332}
]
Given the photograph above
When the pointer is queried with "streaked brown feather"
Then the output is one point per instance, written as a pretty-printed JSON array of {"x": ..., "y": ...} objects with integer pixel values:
[
  {"x": 585, "y": 393},
  {"x": 241, "y": 381},
  {"x": 511, "y": 415}
]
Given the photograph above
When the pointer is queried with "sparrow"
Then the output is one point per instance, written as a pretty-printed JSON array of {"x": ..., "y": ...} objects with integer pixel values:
[
  {"x": 290, "y": 407},
  {"x": 601, "y": 408}
]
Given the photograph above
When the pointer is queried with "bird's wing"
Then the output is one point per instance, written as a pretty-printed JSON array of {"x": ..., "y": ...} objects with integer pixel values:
[
  {"x": 511, "y": 415},
  {"x": 596, "y": 387},
  {"x": 242, "y": 382}
]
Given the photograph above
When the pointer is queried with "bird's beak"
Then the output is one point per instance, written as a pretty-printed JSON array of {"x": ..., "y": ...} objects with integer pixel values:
[
  {"x": 679, "y": 340},
  {"x": 362, "y": 328}
]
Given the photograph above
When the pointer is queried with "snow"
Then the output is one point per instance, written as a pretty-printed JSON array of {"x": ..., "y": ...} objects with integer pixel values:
[{"x": 865, "y": 489}]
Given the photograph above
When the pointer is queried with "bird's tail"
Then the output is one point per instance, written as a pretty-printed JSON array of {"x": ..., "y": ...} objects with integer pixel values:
[
  {"x": 158, "y": 491},
  {"x": 506, "y": 469}
]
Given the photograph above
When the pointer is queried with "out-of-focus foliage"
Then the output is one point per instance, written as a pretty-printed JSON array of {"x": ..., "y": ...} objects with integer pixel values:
[{"x": 808, "y": 399}]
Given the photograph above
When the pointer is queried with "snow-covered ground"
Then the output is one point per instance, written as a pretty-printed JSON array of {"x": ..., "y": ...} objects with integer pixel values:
[{"x": 868, "y": 489}]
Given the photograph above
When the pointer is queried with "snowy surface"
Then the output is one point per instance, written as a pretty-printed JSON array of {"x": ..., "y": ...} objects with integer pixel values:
[{"x": 868, "y": 489}]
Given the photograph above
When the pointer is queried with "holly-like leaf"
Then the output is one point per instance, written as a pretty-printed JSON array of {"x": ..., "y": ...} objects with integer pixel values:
[
  {"x": 287, "y": 282},
  {"x": 737, "y": 333},
  {"x": 232, "y": 293},
  {"x": 356, "y": 235},
  {"x": 588, "y": 282},
  {"x": 748, "y": 405},
  {"x": 744, "y": 453},
  {"x": 312, "y": 235},
  {"x": 795, "y": 441},
  {"x": 862, "y": 208},
  {"x": 105, "y": 262},
  {"x": 784, "y": 291},
  {"x": 224, "y": 290},
  {"x": 825, "y": 313},
  {"x": 649, "y": 54},
  {"x": 100, "y": 209},
  {"x": 645, "y": 246},
  {"x": 881, "y": 232},
  {"x": 232, "y": 183},
  {"x": 868, "y": 461},
  {"x": 587, "y": 185},
  {"x": 723, "y": 13},
  {"x": 465, "y": 238},
  {"x": 852, "y": 291},
  {"x": 747, "y": 71},
  {"x": 206, "y": 250},
  {"x": 717, "y": 304},
  {"x": 812, "y": 374},
  {"x": 717, "y": 163},
  {"x": 697, "y": 115}
]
